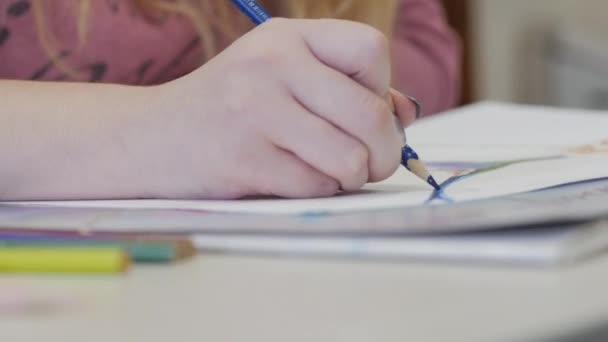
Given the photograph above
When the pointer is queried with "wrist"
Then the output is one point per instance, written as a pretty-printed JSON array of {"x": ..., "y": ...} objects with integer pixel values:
[
  {"x": 156, "y": 129},
  {"x": 137, "y": 128}
]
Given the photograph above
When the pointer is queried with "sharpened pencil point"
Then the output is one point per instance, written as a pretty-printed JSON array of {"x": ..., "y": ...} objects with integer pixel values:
[
  {"x": 433, "y": 183},
  {"x": 412, "y": 162}
]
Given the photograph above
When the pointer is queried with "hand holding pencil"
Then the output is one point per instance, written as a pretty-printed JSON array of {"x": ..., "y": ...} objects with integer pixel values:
[
  {"x": 307, "y": 117},
  {"x": 409, "y": 158}
]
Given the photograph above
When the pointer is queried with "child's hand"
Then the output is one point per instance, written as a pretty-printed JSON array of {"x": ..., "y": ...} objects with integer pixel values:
[{"x": 295, "y": 108}]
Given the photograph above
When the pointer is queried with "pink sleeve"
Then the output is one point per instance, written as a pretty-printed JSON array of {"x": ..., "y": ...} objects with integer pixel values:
[{"x": 426, "y": 55}]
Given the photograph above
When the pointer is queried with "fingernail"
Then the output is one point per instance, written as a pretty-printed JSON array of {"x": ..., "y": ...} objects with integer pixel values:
[{"x": 417, "y": 105}]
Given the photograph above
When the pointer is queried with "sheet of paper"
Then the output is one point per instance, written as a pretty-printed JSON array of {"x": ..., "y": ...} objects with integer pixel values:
[
  {"x": 573, "y": 204},
  {"x": 477, "y": 152},
  {"x": 489, "y": 124},
  {"x": 403, "y": 189}
]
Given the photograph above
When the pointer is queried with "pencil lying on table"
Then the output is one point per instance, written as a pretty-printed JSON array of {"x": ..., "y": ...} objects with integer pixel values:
[
  {"x": 63, "y": 260},
  {"x": 139, "y": 250}
]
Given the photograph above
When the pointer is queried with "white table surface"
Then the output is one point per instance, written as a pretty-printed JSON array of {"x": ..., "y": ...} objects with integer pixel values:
[{"x": 229, "y": 298}]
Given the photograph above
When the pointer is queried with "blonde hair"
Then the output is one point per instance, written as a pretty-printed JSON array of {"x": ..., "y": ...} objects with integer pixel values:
[{"x": 208, "y": 17}]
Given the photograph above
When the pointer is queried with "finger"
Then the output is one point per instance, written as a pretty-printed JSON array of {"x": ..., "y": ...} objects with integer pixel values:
[
  {"x": 354, "y": 49},
  {"x": 321, "y": 145},
  {"x": 354, "y": 110},
  {"x": 280, "y": 173},
  {"x": 404, "y": 107}
]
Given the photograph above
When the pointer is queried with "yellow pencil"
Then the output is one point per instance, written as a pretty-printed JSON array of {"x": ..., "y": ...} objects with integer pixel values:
[{"x": 63, "y": 260}]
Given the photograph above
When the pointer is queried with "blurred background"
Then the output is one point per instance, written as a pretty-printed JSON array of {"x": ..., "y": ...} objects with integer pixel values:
[{"x": 552, "y": 52}]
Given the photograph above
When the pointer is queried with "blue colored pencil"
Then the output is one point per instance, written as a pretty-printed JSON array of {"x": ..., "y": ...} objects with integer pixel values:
[
  {"x": 409, "y": 158},
  {"x": 412, "y": 162},
  {"x": 253, "y": 10}
]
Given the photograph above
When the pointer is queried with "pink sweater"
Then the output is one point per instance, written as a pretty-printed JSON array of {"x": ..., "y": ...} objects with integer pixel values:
[{"x": 124, "y": 47}]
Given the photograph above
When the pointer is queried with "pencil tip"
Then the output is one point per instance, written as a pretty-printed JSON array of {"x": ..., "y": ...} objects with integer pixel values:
[{"x": 433, "y": 183}]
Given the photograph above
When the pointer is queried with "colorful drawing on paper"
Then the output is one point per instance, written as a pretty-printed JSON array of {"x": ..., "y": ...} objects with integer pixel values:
[{"x": 456, "y": 171}]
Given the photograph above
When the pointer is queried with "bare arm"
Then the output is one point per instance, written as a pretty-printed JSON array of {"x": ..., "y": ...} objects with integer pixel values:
[
  {"x": 256, "y": 120},
  {"x": 69, "y": 140}
]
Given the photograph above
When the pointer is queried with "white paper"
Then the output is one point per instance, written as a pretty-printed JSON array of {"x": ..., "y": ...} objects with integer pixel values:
[{"x": 498, "y": 124}]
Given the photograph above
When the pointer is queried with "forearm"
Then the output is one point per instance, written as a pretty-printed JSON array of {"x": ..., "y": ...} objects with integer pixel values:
[{"x": 69, "y": 141}]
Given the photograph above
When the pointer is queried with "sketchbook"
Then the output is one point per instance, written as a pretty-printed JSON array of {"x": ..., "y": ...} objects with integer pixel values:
[
  {"x": 554, "y": 227},
  {"x": 552, "y": 246},
  {"x": 477, "y": 152},
  {"x": 573, "y": 204}
]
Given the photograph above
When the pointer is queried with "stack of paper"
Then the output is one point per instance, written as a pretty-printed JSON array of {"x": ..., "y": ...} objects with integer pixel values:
[{"x": 478, "y": 152}]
